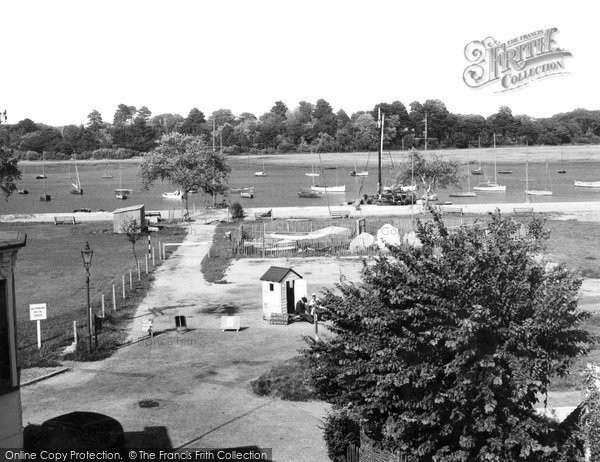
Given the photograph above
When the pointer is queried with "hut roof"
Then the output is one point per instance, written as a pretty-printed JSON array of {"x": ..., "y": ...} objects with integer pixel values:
[
  {"x": 129, "y": 209},
  {"x": 277, "y": 274}
]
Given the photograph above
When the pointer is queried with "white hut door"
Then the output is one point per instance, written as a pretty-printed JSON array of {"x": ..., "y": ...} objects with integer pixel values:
[{"x": 299, "y": 289}]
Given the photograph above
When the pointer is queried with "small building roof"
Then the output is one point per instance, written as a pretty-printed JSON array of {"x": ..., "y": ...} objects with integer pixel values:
[
  {"x": 133, "y": 208},
  {"x": 12, "y": 240},
  {"x": 277, "y": 274}
]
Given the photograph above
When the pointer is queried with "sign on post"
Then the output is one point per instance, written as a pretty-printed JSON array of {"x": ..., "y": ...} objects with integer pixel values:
[{"x": 37, "y": 312}]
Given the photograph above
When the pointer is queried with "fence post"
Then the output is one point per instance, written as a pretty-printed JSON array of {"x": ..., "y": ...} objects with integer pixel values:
[
  {"x": 146, "y": 258},
  {"x": 114, "y": 298},
  {"x": 153, "y": 261},
  {"x": 159, "y": 252},
  {"x": 123, "y": 280},
  {"x": 75, "y": 332},
  {"x": 102, "y": 305},
  {"x": 130, "y": 281},
  {"x": 139, "y": 271}
]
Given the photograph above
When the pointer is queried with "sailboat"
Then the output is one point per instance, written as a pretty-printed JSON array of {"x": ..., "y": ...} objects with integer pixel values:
[
  {"x": 107, "y": 175},
  {"x": 561, "y": 169},
  {"x": 490, "y": 186},
  {"x": 332, "y": 189},
  {"x": 355, "y": 172},
  {"x": 312, "y": 171},
  {"x": 77, "y": 187},
  {"x": 262, "y": 172},
  {"x": 121, "y": 193},
  {"x": 310, "y": 193},
  {"x": 43, "y": 175},
  {"x": 467, "y": 193},
  {"x": 478, "y": 171},
  {"x": 537, "y": 192}
]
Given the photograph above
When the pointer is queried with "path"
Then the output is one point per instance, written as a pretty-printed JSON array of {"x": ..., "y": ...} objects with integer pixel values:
[{"x": 200, "y": 379}]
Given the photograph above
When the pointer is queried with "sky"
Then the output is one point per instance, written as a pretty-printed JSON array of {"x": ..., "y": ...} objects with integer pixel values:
[{"x": 63, "y": 58}]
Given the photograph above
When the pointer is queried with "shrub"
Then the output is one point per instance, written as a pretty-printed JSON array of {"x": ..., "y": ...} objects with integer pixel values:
[
  {"x": 237, "y": 211},
  {"x": 339, "y": 430}
]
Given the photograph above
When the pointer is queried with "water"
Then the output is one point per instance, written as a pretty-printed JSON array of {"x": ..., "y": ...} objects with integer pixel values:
[{"x": 278, "y": 189}]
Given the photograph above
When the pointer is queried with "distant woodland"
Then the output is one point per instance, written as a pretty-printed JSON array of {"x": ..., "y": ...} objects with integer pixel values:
[{"x": 306, "y": 128}]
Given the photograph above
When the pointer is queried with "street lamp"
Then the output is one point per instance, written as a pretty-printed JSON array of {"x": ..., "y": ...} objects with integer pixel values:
[{"x": 87, "y": 254}]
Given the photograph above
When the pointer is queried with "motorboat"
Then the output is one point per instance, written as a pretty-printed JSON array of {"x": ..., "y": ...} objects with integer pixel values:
[
  {"x": 177, "y": 194},
  {"x": 310, "y": 194},
  {"x": 121, "y": 193},
  {"x": 355, "y": 173},
  {"x": 247, "y": 194},
  {"x": 22, "y": 191}
]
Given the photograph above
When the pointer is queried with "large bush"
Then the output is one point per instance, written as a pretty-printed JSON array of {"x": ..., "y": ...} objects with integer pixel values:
[
  {"x": 443, "y": 349},
  {"x": 237, "y": 211},
  {"x": 339, "y": 430}
]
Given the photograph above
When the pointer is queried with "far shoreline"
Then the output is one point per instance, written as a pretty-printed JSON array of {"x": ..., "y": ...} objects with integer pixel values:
[{"x": 505, "y": 155}]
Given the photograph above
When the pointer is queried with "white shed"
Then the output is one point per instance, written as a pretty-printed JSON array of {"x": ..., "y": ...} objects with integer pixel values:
[{"x": 281, "y": 289}]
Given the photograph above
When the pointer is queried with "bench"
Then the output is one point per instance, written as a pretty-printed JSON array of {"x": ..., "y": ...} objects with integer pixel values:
[
  {"x": 340, "y": 214},
  {"x": 451, "y": 210},
  {"x": 68, "y": 220},
  {"x": 526, "y": 211},
  {"x": 264, "y": 216}
]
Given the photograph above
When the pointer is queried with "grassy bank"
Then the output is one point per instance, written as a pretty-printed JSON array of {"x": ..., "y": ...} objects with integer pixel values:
[{"x": 50, "y": 270}]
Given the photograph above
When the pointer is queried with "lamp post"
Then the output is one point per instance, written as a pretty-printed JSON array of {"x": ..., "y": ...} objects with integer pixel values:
[{"x": 87, "y": 254}]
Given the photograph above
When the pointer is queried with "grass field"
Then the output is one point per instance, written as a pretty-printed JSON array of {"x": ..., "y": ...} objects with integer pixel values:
[{"x": 49, "y": 270}]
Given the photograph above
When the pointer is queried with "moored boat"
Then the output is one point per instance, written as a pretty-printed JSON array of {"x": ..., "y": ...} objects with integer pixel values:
[
  {"x": 505, "y": 172},
  {"x": 121, "y": 193},
  {"x": 247, "y": 194},
  {"x": 173, "y": 195},
  {"x": 477, "y": 171},
  {"x": 587, "y": 184},
  {"x": 355, "y": 173},
  {"x": 490, "y": 186},
  {"x": 22, "y": 191},
  {"x": 310, "y": 194},
  {"x": 331, "y": 189}
]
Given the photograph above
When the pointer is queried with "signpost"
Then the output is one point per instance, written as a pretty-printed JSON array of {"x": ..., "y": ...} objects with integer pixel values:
[{"x": 37, "y": 312}]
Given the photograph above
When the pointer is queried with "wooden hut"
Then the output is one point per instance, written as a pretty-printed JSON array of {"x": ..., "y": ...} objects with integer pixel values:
[
  {"x": 281, "y": 289},
  {"x": 123, "y": 217}
]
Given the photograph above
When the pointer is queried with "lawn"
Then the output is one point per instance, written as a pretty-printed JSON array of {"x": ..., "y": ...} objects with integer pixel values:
[{"x": 49, "y": 270}]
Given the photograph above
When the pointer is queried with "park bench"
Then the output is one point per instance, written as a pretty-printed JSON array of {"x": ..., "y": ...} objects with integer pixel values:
[
  {"x": 340, "y": 214},
  {"x": 264, "y": 216},
  {"x": 451, "y": 210},
  {"x": 66, "y": 220},
  {"x": 525, "y": 211}
]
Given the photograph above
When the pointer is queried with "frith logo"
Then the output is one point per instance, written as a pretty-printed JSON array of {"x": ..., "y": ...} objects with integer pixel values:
[{"x": 514, "y": 63}]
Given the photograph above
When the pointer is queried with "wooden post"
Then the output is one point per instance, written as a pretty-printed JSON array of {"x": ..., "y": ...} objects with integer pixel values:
[
  {"x": 123, "y": 281},
  {"x": 75, "y": 332},
  {"x": 114, "y": 298},
  {"x": 153, "y": 260},
  {"x": 130, "y": 281},
  {"x": 139, "y": 271},
  {"x": 39, "y": 334},
  {"x": 159, "y": 250},
  {"x": 103, "y": 305},
  {"x": 146, "y": 258},
  {"x": 316, "y": 316}
]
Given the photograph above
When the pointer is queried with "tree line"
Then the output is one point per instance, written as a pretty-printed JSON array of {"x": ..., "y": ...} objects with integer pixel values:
[{"x": 305, "y": 128}]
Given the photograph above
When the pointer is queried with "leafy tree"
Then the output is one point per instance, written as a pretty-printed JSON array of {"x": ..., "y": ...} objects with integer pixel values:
[
  {"x": 143, "y": 113},
  {"x": 167, "y": 123},
  {"x": 324, "y": 118},
  {"x": 124, "y": 114},
  {"x": 9, "y": 168},
  {"x": 26, "y": 126},
  {"x": 503, "y": 123},
  {"x": 132, "y": 230},
  {"x": 194, "y": 123},
  {"x": 279, "y": 109},
  {"x": 95, "y": 121},
  {"x": 444, "y": 347},
  {"x": 187, "y": 162},
  {"x": 430, "y": 173}
]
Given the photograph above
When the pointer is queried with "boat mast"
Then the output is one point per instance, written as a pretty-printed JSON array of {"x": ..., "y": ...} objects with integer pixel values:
[
  {"x": 495, "y": 171},
  {"x": 380, "y": 121},
  {"x": 526, "y": 173}
]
